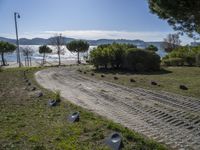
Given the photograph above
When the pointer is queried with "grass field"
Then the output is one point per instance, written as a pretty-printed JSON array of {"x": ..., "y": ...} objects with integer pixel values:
[
  {"x": 169, "y": 79},
  {"x": 27, "y": 122}
]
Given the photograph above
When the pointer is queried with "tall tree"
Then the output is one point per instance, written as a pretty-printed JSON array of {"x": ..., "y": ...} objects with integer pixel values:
[
  {"x": 58, "y": 42},
  {"x": 183, "y": 15},
  {"x": 78, "y": 47},
  {"x": 43, "y": 50},
  {"x": 6, "y": 47},
  {"x": 171, "y": 42}
]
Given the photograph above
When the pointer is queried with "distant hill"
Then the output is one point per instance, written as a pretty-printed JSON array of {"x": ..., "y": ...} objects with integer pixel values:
[{"x": 42, "y": 41}]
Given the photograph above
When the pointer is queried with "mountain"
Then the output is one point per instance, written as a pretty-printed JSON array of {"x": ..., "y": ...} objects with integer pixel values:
[{"x": 42, "y": 41}]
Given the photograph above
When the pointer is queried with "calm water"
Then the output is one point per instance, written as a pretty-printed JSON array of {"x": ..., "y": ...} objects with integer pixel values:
[{"x": 53, "y": 56}]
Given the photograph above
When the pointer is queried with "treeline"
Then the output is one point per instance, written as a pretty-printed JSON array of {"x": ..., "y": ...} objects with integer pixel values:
[
  {"x": 183, "y": 56},
  {"x": 125, "y": 56}
]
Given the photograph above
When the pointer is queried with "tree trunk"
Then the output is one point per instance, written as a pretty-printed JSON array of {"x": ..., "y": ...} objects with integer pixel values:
[
  {"x": 78, "y": 58},
  {"x": 27, "y": 60},
  {"x": 59, "y": 56},
  {"x": 3, "y": 61},
  {"x": 43, "y": 58}
]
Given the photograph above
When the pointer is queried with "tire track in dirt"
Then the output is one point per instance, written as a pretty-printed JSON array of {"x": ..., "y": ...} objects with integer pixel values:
[{"x": 168, "y": 118}]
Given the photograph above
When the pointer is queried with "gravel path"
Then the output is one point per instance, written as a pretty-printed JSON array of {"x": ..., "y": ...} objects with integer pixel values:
[{"x": 168, "y": 118}]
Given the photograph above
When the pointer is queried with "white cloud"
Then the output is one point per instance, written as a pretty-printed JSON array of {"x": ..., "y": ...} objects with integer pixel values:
[{"x": 103, "y": 34}]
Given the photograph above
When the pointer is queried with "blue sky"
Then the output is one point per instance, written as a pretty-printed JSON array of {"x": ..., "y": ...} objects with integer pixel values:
[{"x": 88, "y": 19}]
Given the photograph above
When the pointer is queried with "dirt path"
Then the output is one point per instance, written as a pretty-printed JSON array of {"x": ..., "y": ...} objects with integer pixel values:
[{"x": 168, "y": 118}]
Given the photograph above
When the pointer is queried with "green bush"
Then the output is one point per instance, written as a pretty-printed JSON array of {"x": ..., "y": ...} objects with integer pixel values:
[
  {"x": 173, "y": 62},
  {"x": 124, "y": 56},
  {"x": 181, "y": 56},
  {"x": 142, "y": 60},
  {"x": 190, "y": 60},
  {"x": 198, "y": 60},
  {"x": 100, "y": 57}
]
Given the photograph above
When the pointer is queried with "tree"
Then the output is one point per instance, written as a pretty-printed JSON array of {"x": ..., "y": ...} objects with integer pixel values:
[
  {"x": 58, "y": 42},
  {"x": 78, "y": 47},
  {"x": 182, "y": 15},
  {"x": 6, "y": 47},
  {"x": 27, "y": 51},
  {"x": 43, "y": 50},
  {"x": 152, "y": 48},
  {"x": 171, "y": 42}
]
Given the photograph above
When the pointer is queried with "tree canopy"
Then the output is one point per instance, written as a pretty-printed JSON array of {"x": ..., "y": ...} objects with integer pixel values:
[
  {"x": 152, "y": 48},
  {"x": 183, "y": 15},
  {"x": 6, "y": 47},
  {"x": 78, "y": 46},
  {"x": 43, "y": 50},
  {"x": 27, "y": 51},
  {"x": 171, "y": 42}
]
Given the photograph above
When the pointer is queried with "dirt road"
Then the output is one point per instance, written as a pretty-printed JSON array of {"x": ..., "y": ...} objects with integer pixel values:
[{"x": 168, "y": 118}]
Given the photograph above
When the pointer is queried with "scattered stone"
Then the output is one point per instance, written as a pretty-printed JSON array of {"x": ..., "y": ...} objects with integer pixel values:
[
  {"x": 102, "y": 76},
  {"x": 52, "y": 103},
  {"x": 132, "y": 80},
  {"x": 38, "y": 94},
  {"x": 183, "y": 87},
  {"x": 74, "y": 117},
  {"x": 114, "y": 141},
  {"x": 154, "y": 83},
  {"x": 33, "y": 88},
  {"x": 115, "y": 78}
]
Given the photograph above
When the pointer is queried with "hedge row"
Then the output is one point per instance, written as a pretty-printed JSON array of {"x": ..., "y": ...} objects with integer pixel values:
[
  {"x": 124, "y": 56},
  {"x": 183, "y": 56}
]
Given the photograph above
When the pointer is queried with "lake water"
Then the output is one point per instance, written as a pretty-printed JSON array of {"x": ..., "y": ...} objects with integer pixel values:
[{"x": 67, "y": 55}]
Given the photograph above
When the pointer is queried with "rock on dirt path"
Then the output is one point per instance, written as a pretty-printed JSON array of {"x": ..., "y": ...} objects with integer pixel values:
[{"x": 168, "y": 118}]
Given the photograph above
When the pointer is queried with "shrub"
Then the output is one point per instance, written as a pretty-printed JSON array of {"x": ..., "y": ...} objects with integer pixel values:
[
  {"x": 100, "y": 57},
  {"x": 124, "y": 56},
  {"x": 173, "y": 62},
  {"x": 190, "y": 60},
  {"x": 198, "y": 59},
  {"x": 184, "y": 55},
  {"x": 57, "y": 96},
  {"x": 142, "y": 60}
]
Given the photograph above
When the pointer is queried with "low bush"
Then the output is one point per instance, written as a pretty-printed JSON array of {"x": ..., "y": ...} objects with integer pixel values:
[
  {"x": 173, "y": 62},
  {"x": 142, "y": 60},
  {"x": 125, "y": 57},
  {"x": 183, "y": 56},
  {"x": 198, "y": 59}
]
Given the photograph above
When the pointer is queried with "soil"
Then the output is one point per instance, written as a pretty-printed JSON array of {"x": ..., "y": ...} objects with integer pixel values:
[{"x": 168, "y": 118}]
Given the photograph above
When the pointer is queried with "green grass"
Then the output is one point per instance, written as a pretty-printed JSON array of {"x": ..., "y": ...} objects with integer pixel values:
[
  {"x": 169, "y": 79},
  {"x": 27, "y": 122}
]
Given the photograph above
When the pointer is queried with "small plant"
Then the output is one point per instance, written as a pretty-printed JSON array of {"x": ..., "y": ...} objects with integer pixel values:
[
  {"x": 102, "y": 76},
  {"x": 92, "y": 74},
  {"x": 85, "y": 72},
  {"x": 57, "y": 96},
  {"x": 116, "y": 78},
  {"x": 132, "y": 80}
]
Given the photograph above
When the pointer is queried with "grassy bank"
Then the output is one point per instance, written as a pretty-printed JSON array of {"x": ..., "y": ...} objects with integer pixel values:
[
  {"x": 27, "y": 122},
  {"x": 169, "y": 79}
]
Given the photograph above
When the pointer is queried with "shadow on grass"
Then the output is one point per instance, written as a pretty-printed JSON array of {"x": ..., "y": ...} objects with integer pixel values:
[{"x": 128, "y": 72}]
